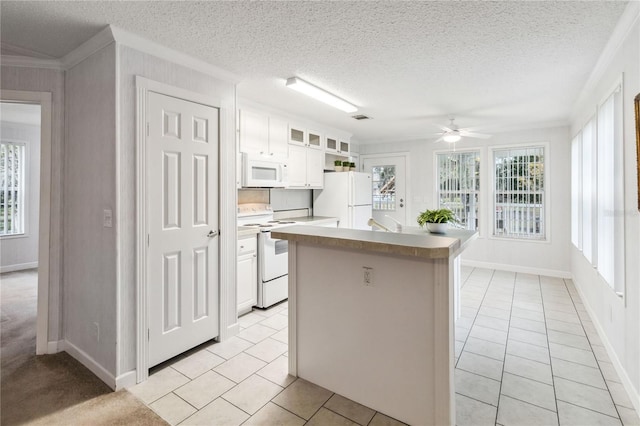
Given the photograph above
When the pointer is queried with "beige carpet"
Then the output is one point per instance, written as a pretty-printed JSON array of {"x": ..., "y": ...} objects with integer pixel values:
[{"x": 51, "y": 389}]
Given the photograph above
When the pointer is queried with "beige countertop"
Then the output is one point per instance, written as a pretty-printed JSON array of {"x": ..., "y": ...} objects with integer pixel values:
[
  {"x": 413, "y": 241},
  {"x": 317, "y": 220},
  {"x": 245, "y": 231}
]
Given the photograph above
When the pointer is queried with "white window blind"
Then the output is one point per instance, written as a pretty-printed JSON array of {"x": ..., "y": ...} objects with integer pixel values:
[
  {"x": 519, "y": 197},
  {"x": 576, "y": 191},
  {"x": 609, "y": 202},
  {"x": 459, "y": 185},
  {"x": 12, "y": 188},
  {"x": 588, "y": 191}
]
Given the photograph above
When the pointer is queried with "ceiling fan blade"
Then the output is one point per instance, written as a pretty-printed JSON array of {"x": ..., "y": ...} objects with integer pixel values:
[
  {"x": 446, "y": 129},
  {"x": 439, "y": 139},
  {"x": 468, "y": 134}
]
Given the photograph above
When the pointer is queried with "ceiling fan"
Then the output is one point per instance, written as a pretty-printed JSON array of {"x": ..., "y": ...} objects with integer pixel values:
[{"x": 453, "y": 133}]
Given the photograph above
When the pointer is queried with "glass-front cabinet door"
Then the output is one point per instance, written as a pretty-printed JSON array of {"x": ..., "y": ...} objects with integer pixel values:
[
  {"x": 331, "y": 144},
  {"x": 315, "y": 139},
  {"x": 297, "y": 136}
]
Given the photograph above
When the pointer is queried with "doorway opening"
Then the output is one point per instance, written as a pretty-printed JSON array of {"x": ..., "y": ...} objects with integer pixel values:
[
  {"x": 25, "y": 196},
  {"x": 20, "y": 143}
]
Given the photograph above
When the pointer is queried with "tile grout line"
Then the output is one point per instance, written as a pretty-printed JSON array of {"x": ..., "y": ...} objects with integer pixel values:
[
  {"x": 474, "y": 318},
  {"x": 615, "y": 406},
  {"x": 506, "y": 343},
  {"x": 553, "y": 380}
]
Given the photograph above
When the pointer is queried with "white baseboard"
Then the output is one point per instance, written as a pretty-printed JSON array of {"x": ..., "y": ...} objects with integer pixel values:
[
  {"x": 90, "y": 363},
  {"x": 55, "y": 347},
  {"x": 633, "y": 393},
  {"x": 18, "y": 267},
  {"x": 515, "y": 268},
  {"x": 126, "y": 380}
]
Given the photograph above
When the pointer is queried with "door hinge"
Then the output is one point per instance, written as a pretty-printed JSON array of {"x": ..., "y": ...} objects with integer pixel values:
[
  {"x": 148, "y": 240},
  {"x": 147, "y": 129},
  {"x": 148, "y": 334}
]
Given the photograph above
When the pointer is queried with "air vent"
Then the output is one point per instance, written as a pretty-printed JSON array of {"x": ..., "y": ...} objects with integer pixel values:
[{"x": 361, "y": 117}]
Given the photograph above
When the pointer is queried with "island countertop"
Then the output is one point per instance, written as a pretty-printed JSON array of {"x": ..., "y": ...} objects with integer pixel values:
[{"x": 413, "y": 241}]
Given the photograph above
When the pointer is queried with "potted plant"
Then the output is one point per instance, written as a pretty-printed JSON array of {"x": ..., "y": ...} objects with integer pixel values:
[
  {"x": 437, "y": 221},
  {"x": 345, "y": 166},
  {"x": 337, "y": 165},
  {"x": 352, "y": 167}
]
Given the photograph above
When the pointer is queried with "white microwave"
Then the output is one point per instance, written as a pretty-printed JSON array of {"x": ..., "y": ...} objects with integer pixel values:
[{"x": 259, "y": 171}]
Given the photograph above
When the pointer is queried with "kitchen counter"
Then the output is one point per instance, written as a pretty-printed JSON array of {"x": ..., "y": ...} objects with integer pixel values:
[
  {"x": 311, "y": 220},
  {"x": 372, "y": 314},
  {"x": 412, "y": 241},
  {"x": 244, "y": 231}
]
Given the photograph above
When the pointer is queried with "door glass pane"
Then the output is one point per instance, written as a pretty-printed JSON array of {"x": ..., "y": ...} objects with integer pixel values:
[{"x": 384, "y": 187}]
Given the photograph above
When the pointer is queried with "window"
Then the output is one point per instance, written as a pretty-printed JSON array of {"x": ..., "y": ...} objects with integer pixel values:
[
  {"x": 519, "y": 199},
  {"x": 609, "y": 199},
  {"x": 384, "y": 187},
  {"x": 576, "y": 193},
  {"x": 12, "y": 188},
  {"x": 588, "y": 190},
  {"x": 459, "y": 185}
]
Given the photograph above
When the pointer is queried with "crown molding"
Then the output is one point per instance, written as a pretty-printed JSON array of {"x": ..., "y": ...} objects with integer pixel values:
[
  {"x": 11, "y": 50},
  {"x": 88, "y": 48},
  {"x": 620, "y": 33},
  {"x": 29, "y": 62},
  {"x": 134, "y": 41}
]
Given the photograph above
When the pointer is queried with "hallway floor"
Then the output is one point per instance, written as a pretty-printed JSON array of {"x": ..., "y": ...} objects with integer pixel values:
[{"x": 527, "y": 353}]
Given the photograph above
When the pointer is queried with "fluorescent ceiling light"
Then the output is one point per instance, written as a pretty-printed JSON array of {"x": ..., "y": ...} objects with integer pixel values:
[
  {"x": 452, "y": 137},
  {"x": 320, "y": 95}
]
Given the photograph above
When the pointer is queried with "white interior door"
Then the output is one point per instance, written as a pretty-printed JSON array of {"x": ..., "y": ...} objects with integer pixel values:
[
  {"x": 388, "y": 180},
  {"x": 182, "y": 159}
]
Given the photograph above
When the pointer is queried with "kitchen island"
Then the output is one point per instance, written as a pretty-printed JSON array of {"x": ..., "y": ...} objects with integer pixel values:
[{"x": 371, "y": 317}]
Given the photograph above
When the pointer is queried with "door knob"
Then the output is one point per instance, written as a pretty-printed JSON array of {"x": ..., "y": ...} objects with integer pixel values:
[
  {"x": 212, "y": 234},
  {"x": 401, "y": 205}
]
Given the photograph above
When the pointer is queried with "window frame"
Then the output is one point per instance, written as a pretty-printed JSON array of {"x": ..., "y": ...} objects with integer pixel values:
[
  {"x": 491, "y": 194},
  {"x": 481, "y": 189},
  {"x": 25, "y": 182}
]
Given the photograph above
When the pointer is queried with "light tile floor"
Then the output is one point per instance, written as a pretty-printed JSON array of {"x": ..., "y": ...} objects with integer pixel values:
[{"x": 527, "y": 353}]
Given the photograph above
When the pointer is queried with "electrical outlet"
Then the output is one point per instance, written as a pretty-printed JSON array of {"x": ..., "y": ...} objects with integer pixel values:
[
  {"x": 367, "y": 277},
  {"x": 107, "y": 218}
]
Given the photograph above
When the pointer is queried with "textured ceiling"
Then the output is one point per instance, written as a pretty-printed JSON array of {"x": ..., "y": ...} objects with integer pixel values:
[{"x": 409, "y": 65}]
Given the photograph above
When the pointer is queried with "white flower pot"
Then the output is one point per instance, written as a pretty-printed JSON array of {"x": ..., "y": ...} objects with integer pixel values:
[
  {"x": 338, "y": 168},
  {"x": 437, "y": 228}
]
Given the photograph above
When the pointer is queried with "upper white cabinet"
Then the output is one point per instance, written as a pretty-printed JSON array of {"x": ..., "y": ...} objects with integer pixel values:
[
  {"x": 339, "y": 146},
  {"x": 300, "y": 136},
  {"x": 305, "y": 168},
  {"x": 262, "y": 134},
  {"x": 278, "y": 133},
  {"x": 297, "y": 135},
  {"x": 315, "y": 139}
]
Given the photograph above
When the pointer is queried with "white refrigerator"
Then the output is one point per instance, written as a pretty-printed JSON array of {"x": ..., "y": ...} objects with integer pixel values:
[{"x": 347, "y": 196}]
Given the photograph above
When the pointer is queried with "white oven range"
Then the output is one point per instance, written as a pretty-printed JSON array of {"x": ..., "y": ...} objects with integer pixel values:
[{"x": 273, "y": 255}]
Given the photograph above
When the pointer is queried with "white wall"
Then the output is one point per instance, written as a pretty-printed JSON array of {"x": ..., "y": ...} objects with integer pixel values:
[
  {"x": 550, "y": 257},
  {"x": 52, "y": 81},
  {"x": 21, "y": 252},
  {"x": 90, "y": 187},
  {"x": 618, "y": 318}
]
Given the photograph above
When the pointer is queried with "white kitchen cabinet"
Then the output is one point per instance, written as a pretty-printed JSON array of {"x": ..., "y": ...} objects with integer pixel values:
[
  {"x": 297, "y": 135},
  {"x": 247, "y": 274},
  {"x": 278, "y": 136},
  {"x": 337, "y": 146},
  {"x": 315, "y": 139},
  {"x": 306, "y": 167},
  {"x": 254, "y": 132},
  {"x": 263, "y": 134}
]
